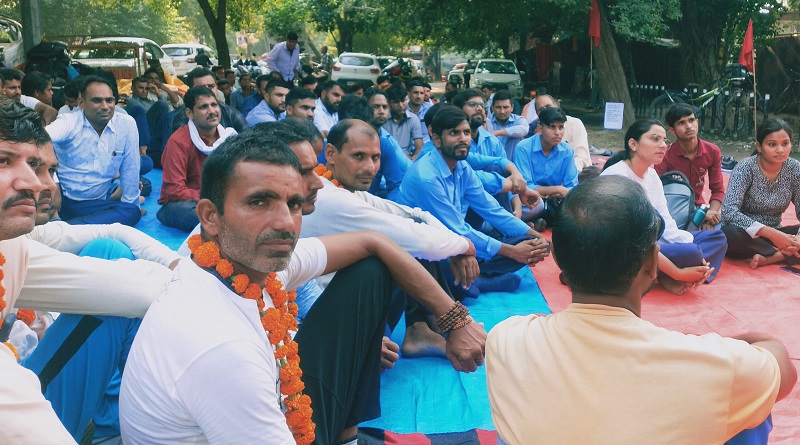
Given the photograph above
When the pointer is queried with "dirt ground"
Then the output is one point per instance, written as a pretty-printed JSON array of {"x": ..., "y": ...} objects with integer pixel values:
[{"x": 612, "y": 139}]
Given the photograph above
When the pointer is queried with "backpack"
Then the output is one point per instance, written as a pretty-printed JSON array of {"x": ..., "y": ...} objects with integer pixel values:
[{"x": 680, "y": 197}]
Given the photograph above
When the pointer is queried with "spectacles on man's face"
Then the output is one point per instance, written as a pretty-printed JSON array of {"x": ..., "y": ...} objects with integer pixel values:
[{"x": 475, "y": 104}]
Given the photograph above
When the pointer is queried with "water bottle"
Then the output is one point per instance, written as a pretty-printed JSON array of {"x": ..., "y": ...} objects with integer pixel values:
[{"x": 700, "y": 215}]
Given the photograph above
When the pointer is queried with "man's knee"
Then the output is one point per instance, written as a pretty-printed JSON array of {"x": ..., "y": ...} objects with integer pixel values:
[{"x": 107, "y": 249}]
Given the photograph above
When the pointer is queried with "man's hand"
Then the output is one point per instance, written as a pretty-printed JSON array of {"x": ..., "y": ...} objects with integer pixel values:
[
  {"x": 711, "y": 220},
  {"x": 559, "y": 192},
  {"x": 529, "y": 197},
  {"x": 527, "y": 252},
  {"x": 466, "y": 347},
  {"x": 518, "y": 183},
  {"x": 465, "y": 269},
  {"x": 389, "y": 353}
]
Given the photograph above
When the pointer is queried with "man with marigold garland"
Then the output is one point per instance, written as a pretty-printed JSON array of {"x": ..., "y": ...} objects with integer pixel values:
[{"x": 215, "y": 360}]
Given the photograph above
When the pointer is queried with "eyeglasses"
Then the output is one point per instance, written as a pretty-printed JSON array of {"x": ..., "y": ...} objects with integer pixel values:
[{"x": 475, "y": 104}]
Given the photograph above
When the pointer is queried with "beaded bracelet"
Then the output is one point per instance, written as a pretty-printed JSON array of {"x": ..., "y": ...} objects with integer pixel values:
[{"x": 457, "y": 314}]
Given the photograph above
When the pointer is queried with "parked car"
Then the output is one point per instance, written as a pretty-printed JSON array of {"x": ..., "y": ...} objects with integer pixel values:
[
  {"x": 498, "y": 72},
  {"x": 183, "y": 54},
  {"x": 456, "y": 75},
  {"x": 12, "y": 53},
  {"x": 124, "y": 56},
  {"x": 355, "y": 67}
]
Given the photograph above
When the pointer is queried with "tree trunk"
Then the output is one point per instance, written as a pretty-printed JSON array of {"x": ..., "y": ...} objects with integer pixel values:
[
  {"x": 217, "y": 23},
  {"x": 609, "y": 68},
  {"x": 699, "y": 52}
]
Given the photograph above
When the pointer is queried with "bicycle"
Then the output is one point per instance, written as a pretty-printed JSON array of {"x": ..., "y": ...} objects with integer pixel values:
[{"x": 790, "y": 96}]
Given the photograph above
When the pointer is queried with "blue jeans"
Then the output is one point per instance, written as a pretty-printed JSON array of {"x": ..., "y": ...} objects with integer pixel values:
[
  {"x": 88, "y": 384},
  {"x": 99, "y": 211}
]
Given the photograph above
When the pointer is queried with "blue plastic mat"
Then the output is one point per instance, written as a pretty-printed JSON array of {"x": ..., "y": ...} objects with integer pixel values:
[
  {"x": 427, "y": 395},
  {"x": 150, "y": 225}
]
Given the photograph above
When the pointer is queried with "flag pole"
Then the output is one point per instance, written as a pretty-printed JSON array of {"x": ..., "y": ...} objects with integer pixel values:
[
  {"x": 755, "y": 94},
  {"x": 591, "y": 57}
]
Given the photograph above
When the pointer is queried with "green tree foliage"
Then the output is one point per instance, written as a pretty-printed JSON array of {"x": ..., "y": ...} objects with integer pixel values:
[{"x": 344, "y": 18}]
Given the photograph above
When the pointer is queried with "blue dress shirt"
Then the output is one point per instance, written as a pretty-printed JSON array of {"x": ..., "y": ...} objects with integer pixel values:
[
  {"x": 430, "y": 185},
  {"x": 539, "y": 170},
  {"x": 89, "y": 163},
  {"x": 516, "y": 125},
  {"x": 250, "y": 103},
  {"x": 394, "y": 164},
  {"x": 421, "y": 115},
  {"x": 263, "y": 113},
  {"x": 492, "y": 181}
]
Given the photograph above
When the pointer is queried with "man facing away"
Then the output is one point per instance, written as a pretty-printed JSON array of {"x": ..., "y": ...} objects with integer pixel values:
[
  {"x": 252, "y": 198},
  {"x": 695, "y": 158},
  {"x": 625, "y": 379},
  {"x": 93, "y": 147}
]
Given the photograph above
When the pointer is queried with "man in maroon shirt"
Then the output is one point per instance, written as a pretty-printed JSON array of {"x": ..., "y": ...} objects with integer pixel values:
[
  {"x": 184, "y": 155},
  {"x": 695, "y": 158}
]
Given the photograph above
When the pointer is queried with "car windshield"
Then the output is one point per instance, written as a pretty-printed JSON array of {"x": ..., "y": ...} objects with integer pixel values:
[
  {"x": 104, "y": 53},
  {"x": 9, "y": 33},
  {"x": 355, "y": 61},
  {"x": 178, "y": 52},
  {"x": 497, "y": 68}
]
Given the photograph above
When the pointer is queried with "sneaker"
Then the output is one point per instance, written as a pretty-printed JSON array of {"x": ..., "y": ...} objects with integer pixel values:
[{"x": 596, "y": 151}]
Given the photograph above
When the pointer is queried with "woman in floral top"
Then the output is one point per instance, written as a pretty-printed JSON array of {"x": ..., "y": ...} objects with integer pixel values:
[{"x": 760, "y": 190}]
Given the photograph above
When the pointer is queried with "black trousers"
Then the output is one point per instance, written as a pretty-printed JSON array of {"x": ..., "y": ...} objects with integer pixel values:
[
  {"x": 415, "y": 312},
  {"x": 741, "y": 245},
  {"x": 340, "y": 348}
]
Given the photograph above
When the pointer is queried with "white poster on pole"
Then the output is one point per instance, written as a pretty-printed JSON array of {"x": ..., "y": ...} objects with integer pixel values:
[{"x": 614, "y": 116}]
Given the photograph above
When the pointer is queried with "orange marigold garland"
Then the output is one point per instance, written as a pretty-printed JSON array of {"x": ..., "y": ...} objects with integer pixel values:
[
  {"x": 277, "y": 321},
  {"x": 322, "y": 170}
]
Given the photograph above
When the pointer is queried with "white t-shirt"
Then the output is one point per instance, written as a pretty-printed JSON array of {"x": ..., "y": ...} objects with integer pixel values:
[
  {"x": 201, "y": 369},
  {"x": 29, "y": 102},
  {"x": 654, "y": 190}
]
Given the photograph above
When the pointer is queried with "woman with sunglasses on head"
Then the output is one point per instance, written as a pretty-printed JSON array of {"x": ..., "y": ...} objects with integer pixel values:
[
  {"x": 760, "y": 190},
  {"x": 687, "y": 259}
]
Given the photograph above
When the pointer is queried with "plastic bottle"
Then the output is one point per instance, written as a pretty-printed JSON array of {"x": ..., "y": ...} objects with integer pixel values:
[{"x": 700, "y": 215}]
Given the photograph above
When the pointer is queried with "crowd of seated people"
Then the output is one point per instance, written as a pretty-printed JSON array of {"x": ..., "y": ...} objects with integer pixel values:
[{"x": 408, "y": 207}]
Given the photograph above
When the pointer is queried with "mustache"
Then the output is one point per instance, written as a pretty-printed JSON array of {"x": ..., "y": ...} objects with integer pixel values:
[
  {"x": 21, "y": 196},
  {"x": 276, "y": 235}
]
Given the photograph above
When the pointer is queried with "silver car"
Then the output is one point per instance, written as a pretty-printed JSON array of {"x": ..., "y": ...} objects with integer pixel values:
[
  {"x": 183, "y": 54},
  {"x": 122, "y": 55},
  {"x": 498, "y": 72}
]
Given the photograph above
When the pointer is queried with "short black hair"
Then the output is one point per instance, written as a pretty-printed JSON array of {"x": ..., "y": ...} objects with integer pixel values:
[
  {"x": 140, "y": 79},
  {"x": 308, "y": 80},
  {"x": 372, "y": 91},
  {"x": 291, "y": 36},
  {"x": 338, "y": 136},
  {"x": 331, "y": 84},
  {"x": 502, "y": 95},
  {"x": 158, "y": 72},
  {"x": 73, "y": 88},
  {"x": 452, "y": 84},
  {"x": 414, "y": 83},
  {"x": 427, "y": 85},
  {"x": 262, "y": 78},
  {"x": 197, "y": 73},
  {"x": 297, "y": 94},
  {"x": 354, "y": 107},
  {"x": 96, "y": 79},
  {"x": 550, "y": 115},
  {"x": 35, "y": 82},
  {"x": 20, "y": 124},
  {"x": 11, "y": 74},
  {"x": 305, "y": 127},
  {"x": 194, "y": 93},
  {"x": 276, "y": 83},
  {"x": 677, "y": 112},
  {"x": 229, "y": 71},
  {"x": 602, "y": 234},
  {"x": 431, "y": 113},
  {"x": 216, "y": 68},
  {"x": 382, "y": 78},
  {"x": 449, "y": 116},
  {"x": 465, "y": 95},
  {"x": 396, "y": 93},
  {"x": 222, "y": 82},
  {"x": 281, "y": 130},
  {"x": 248, "y": 146}
]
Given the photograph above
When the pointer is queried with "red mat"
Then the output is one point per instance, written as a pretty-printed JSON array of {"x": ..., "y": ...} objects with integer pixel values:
[{"x": 739, "y": 300}]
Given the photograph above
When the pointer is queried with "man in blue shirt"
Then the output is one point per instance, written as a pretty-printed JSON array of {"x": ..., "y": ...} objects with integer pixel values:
[
  {"x": 93, "y": 146},
  {"x": 547, "y": 163},
  {"x": 417, "y": 103},
  {"x": 509, "y": 128},
  {"x": 374, "y": 109},
  {"x": 403, "y": 124},
  {"x": 285, "y": 57},
  {"x": 273, "y": 106},
  {"x": 443, "y": 184}
]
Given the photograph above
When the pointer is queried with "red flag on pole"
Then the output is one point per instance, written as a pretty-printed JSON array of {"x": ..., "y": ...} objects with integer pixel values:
[
  {"x": 594, "y": 23},
  {"x": 746, "y": 56}
]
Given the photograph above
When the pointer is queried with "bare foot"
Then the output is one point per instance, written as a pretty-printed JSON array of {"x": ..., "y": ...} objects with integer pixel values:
[
  {"x": 421, "y": 341},
  {"x": 761, "y": 260},
  {"x": 673, "y": 285}
]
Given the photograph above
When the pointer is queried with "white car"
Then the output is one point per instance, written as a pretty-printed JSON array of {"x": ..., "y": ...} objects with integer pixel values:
[
  {"x": 498, "y": 72},
  {"x": 12, "y": 52},
  {"x": 456, "y": 75},
  {"x": 355, "y": 67},
  {"x": 122, "y": 61},
  {"x": 183, "y": 54}
]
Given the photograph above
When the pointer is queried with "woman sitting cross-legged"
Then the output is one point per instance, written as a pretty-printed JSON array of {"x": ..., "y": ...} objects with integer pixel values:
[
  {"x": 760, "y": 190},
  {"x": 687, "y": 259}
]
